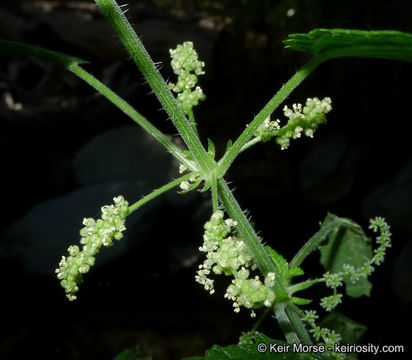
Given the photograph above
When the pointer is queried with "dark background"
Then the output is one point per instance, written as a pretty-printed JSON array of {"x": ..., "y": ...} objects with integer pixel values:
[{"x": 357, "y": 166}]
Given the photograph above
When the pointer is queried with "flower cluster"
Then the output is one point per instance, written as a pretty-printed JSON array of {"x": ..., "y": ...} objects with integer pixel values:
[
  {"x": 266, "y": 130},
  {"x": 301, "y": 120},
  {"x": 334, "y": 280},
  {"x": 304, "y": 120},
  {"x": 247, "y": 337},
  {"x": 330, "y": 302},
  {"x": 191, "y": 183},
  {"x": 186, "y": 65},
  {"x": 250, "y": 293},
  {"x": 94, "y": 235},
  {"x": 329, "y": 337},
  {"x": 231, "y": 256},
  {"x": 384, "y": 239}
]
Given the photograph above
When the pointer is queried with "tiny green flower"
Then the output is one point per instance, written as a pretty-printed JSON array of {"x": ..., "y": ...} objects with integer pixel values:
[
  {"x": 333, "y": 280},
  {"x": 182, "y": 168},
  {"x": 310, "y": 316},
  {"x": 247, "y": 337},
  {"x": 329, "y": 337},
  {"x": 266, "y": 130},
  {"x": 330, "y": 302},
  {"x": 184, "y": 185},
  {"x": 270, "y": 279}
]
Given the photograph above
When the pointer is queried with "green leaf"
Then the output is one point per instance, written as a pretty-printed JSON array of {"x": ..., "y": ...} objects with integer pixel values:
[
  {"x": 211, "y": 148},
  {"x": 228, "y": 145},
  {"x": 250, "y": 352},
  {"x": 295, "y": 271},
  {"x": 350, "y": 330},
  {"x": 383, "y": 44},
  {"x": 131, "y": 354},
  {"x": 347, "y": 244},
  {"x": 281, "y": 265},
  {"x": 16, "y": 48}
]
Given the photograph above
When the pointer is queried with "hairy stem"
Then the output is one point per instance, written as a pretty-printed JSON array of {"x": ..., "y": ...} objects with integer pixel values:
[
  {"x": 315, "y": 240},
  {"x": 215, "y": 197},
  {"x": 146, "y": 65},
  {"x": 291, "y": 324},
  {"x": 261, "y": 257},
  {"x": 269, "y": 108},
  {"x": 250, "y": 143},
  {"x": 303, "y": 285},
  {"x": 298, "y": 325},
  {"x": 131, "y": 112},
  {"x": 158, "y": 192},
  {"x": 193, "y": 122}
]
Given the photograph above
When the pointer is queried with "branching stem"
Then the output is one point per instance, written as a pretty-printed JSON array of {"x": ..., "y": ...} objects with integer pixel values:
[
  {"x": 149, "y": 70},
  {"x": 158, "y": 192}
]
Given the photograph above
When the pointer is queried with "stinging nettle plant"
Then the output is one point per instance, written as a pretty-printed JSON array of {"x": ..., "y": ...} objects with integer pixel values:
[{"x": 262, "y": 281}]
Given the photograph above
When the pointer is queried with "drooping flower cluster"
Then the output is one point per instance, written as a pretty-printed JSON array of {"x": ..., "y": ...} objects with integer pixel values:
[
  {"x": 188, "y": 67},
  {"x": 334, "y": 280},
  {"x": 94, "y": 235},
  {"x": 231, "y": 256},
  {"x": 301, "y": 120},
  {"x": 327, "y": 336},
  {"x": 384, "y": 239}
]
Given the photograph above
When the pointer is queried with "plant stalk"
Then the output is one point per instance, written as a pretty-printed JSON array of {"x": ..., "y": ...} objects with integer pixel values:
[
  {"x": 315, "y": 240},
  {"x": 132, "y": 113},
  {"x": 261, "y": 257},
  {"x": 158, "y": 192},
  {"x": 215, "y": 196},
  {"x": 149, "y": 70},
  {"x": 269, "y": 108}
]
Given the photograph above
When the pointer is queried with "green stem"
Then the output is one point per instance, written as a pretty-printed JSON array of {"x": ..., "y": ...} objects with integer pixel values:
[
  {"x": 280, "y": 132},
  {"x": 215, "y": 198},
  {"x": 314, "y": 242},
  {"x": 16, "y": 48},
  {"x": 285, "y": 324},
  {"x": 132, "y": 113},
  {"x": 193, "y": 122},
  {"x": 157, "y": 192},
  {"x": 72, "y": 63},
  {"x": 303, "y": 285},
  {"x": 261, "y": 256},
  {"x": 146, "y": 65},
  {"x": 291, "y": 324},
  {"x": 250, "y": 143},
  {"x": 270, "y": 107},
  {"x": 298, "y": 325}
]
